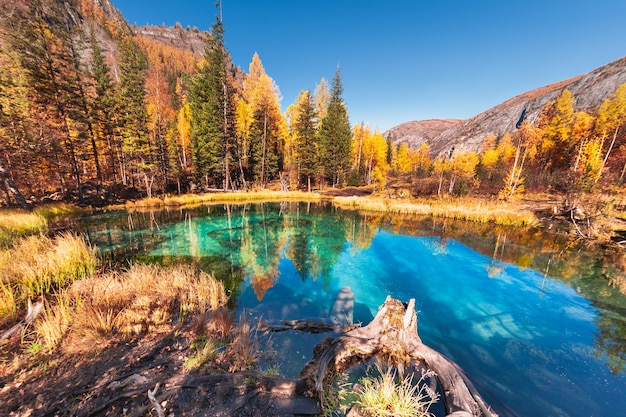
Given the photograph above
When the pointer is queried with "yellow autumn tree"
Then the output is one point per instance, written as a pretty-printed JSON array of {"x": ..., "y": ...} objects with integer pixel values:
[
  {"x": 581, "y": 134},
  {"x": 267, "y": 129},
  {"x": 360, "y": 134},
  {"x": 463, "y": 169},
  {"x": 556, "y": 122},
  {"x": 321, "y": 98},
  {"x": 183, "y": 124},
  {"x": 490, "y": 154},
  {"x": 404, "y": 162},
  {"x": 375, "y": 157},
  {"x": 611, "y": 121},
  {"x": 421, "y": 159}
]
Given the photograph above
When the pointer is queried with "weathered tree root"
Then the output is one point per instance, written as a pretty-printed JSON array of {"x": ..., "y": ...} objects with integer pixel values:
[
  {"x": 33, "y": 311},
  {"x": 393, "y": 334}
]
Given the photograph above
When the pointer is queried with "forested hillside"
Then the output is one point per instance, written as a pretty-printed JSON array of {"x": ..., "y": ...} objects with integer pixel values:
[{"x": 93, "y": 110}]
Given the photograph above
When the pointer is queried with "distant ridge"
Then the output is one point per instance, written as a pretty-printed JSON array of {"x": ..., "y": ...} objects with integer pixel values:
[{"x": 589, "y": 90}]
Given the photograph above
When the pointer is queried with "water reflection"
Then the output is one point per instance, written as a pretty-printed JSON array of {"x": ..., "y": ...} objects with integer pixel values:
[{"x": 506, "y": 309}]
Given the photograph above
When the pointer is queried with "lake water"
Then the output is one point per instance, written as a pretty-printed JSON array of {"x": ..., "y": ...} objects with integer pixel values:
[{"x": 538, "y": 324}]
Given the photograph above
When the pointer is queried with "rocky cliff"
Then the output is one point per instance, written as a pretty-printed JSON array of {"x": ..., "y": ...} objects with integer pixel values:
[{"x": 588, "y": 89}]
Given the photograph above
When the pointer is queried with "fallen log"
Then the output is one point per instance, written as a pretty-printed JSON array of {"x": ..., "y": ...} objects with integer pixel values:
[{"x": 392, "y": 335}]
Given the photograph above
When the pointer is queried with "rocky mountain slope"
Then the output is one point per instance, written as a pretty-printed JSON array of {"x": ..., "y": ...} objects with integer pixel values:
[
  {"x": 416, "y": 132},
  {"x": 186, "y": 39},
  {"x": 588, "y": 89}
]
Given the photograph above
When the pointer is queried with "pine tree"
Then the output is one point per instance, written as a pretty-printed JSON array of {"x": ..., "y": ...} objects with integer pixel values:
[
  {"x": 335, "y": 136},
  {"x": 41, "y": 36},
  {"x": 103, "y": 104},
  {"x": 138, "y": 153},
  {"x": 212, "y": 115},
  {"x": 307, "y": 159}
]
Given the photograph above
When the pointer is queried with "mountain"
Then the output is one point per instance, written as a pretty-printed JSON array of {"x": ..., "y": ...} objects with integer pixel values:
[
  {"x": 177, "y": 37},
  {"x": 588, "y": 89},
  {"x": 416, "y": 132},
  {"x": 179, "y": 40}
]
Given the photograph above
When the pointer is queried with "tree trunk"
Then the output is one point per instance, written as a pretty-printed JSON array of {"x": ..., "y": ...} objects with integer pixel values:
[
  {"x": 392, "y": 335},
  {"x": 10, "y": 186}
]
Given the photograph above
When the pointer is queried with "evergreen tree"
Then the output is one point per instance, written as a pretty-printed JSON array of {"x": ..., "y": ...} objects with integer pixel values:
[
  {"x": 138, "y": 154},
  {"x": 40, "y": 36},
  {"x": 103, "y": 104},
  {"x": 389, "y": 149},
  {"x": 335, "y": 136},
  {"x": 212, "y": 115},
  {"x": 306, "y": 150}
]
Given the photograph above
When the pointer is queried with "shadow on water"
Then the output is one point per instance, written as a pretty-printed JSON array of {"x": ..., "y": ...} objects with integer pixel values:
[{"x": 528, "y": 314}]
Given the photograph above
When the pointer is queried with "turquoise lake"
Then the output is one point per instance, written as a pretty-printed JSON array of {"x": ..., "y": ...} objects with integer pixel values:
[{"x": 537, "y": 323}]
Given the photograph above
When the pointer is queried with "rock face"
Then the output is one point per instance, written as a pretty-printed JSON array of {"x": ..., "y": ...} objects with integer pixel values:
[
  {"x": 589, "y": 90},
  {"x": 416, "y": 132},
  {"x": 184, "y": 39}
]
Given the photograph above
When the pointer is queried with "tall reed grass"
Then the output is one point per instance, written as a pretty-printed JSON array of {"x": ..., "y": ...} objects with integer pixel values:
[
  {"x": 469, "y": 209},
  {"x": 38, "y": 265}
]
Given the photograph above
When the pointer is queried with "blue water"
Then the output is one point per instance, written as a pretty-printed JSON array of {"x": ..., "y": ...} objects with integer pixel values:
[{"x": 526, "y": 340}]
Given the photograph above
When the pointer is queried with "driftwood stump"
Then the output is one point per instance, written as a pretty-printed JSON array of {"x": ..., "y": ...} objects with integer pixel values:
[{"x": 392, "y": 335}]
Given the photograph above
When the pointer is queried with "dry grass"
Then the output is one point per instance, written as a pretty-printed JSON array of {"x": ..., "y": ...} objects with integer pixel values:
[
  {"x": 222, "y": 197},
  {"x": 470, "y": 209},
  {"x": 37, "y": 266},
  {"x": 59, "y": 209},
  {"x": 145, "y": 299},
  {"x": 15, "y": 224},
  {"x": 140, "y": 300}
]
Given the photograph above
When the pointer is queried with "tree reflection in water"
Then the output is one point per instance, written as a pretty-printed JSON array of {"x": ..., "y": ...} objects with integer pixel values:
[{"x": 249, "y": 241}]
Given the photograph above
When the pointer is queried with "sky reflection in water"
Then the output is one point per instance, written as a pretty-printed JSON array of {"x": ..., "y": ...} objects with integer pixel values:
[{"x": 529, "y": 342}]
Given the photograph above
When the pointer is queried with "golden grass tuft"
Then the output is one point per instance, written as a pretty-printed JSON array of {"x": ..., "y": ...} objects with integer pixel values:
[
  {"x": 469, "y": 209},
  {"x": 15, "y": 224},
  {"x": 384, "y": 396},
  {"x": 38, "y": 265}
]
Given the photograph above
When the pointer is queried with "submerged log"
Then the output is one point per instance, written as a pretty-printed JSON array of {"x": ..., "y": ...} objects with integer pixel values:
[
  {"x": 392, "y": 335},
  {"x": 307, "y": 326}
]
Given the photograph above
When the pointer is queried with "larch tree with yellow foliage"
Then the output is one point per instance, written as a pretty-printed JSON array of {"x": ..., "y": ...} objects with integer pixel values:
[
  {"x": 611, "y": 122},
  {"x": 267, "y": 129},
  {"x": 404, "y": 159},
  {"x": 421, "y": 160}
]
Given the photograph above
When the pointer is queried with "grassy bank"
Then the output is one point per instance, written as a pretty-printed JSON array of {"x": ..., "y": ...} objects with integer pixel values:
[
  {"x": 221, "y": 197},
  {"x": 470, "y": 209},
  {"x": 16, "y": 224}
]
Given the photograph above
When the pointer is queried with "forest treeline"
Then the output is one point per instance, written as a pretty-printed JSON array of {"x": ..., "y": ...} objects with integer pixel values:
[{"x": 86, "y": 106}]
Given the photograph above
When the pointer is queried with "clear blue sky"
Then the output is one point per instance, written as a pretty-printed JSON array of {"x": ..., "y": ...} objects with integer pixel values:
[{"x": 405, "y": 60}]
